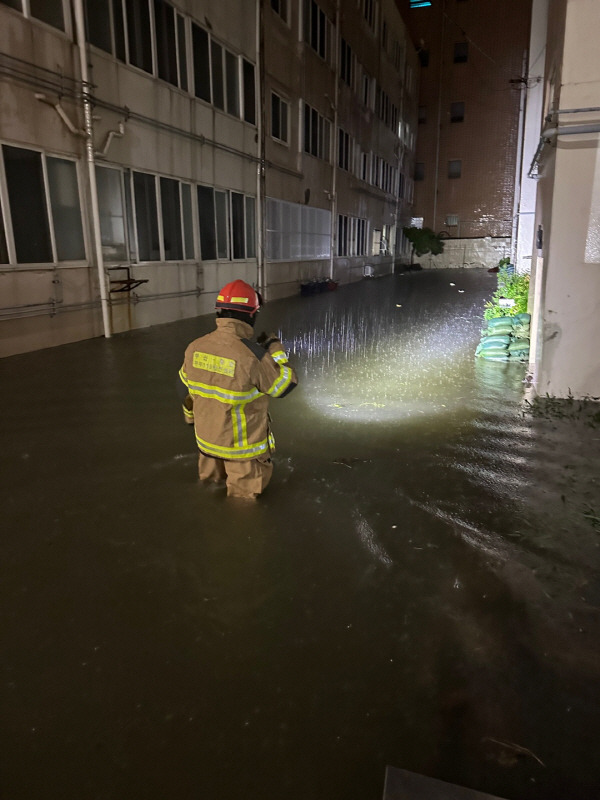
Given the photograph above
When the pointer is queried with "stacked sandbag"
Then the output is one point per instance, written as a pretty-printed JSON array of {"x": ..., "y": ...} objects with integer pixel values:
[
  {"x": 494, "y": 347},
  {"x": 505, "y": 339},
  {"x": 521, "y": 326}
]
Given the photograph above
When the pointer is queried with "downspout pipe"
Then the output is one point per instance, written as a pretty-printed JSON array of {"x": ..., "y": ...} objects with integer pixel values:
[
  {"x": 336, "y": 94},
  {"x": 91, "y": 162},
  {"x": 260, "y": 167}
]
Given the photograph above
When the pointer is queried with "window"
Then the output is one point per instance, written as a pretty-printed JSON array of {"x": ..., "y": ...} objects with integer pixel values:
[
  {"x": 317, "y": 29},
  {"x": 352, "y": 236},
  {"x": 223, "y": 78},
  {"x": 232, "y": 83},
  {"x": 461, "y": 52},
  {"x": 457, "y": 112},
  {"x": 218, "y": 86},
  {"x": 112, "y": 214},
  {"x": 200, "y": 49},
  {"x": 346, "y": 63},
  {"x": 188, "y": 228},
  {"x": 227, "y": 222},
  {"x": 297, "y": 232},
  {"x": 206, "y": 223},
  {"x": 423, "y": 57},
  {"x": 249, "y": 92},
  {"x": 316, "y": 133},
  {"x": 365, "y": 166},
  {"x": 146, "y": 216},
  {"x": 238, "y": 233},
  {"x": 419, "y": 171},
  {"x": 422, "y": 118},
  {"x": 98, "y": 28},
  {"x": 250, "y": 227},
  {"x": 49, "y": 11},
  {"x": 27, "y": 203},
  {"x": 66, "y": 209},
  {"x": 166, "y": 41},
  {"x": 384, "y": 35},
  {"x": 366, "y": 91},
  {"x": 280, "y": 7},
  {"x": 170, "y": 204},
  {"x": 368, "y": 7},
  {"x": 170, "y": 44},
  {"x": 139, "y": 37},
  {"x": 279, "y": 118},
  {"x": 44, "y": 208},
  {"x": 222, "y": 217},
  {"x": 105, "y": 22},
  {"x": 397, "y": 54},
  {"x": 455, "y": 168},
  {"x": 344, "y": 150},
  {"x": 376, "y": 242}
]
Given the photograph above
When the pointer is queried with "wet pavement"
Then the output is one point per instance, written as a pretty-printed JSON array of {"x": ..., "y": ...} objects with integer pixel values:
[{"x": 417, "y": 587}]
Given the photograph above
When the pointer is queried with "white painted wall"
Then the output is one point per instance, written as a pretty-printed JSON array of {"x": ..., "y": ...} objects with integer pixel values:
[{"x": 569, "y": 209}]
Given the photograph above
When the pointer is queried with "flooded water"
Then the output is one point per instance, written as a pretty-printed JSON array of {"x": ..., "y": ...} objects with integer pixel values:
[{"x": 417, "y": 587}]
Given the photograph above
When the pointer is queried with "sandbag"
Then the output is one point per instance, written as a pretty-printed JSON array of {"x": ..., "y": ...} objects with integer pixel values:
[
  {"x": 523, "y": 318},
  {"x": 499, "y": 330},
  {"x": 489, "y": 357},
  {"x": 493, "y": 323},
  {"x": 496, "y": 341},
  {"x": 491, "y": 351},
  {"x": 518, "y": 344}
]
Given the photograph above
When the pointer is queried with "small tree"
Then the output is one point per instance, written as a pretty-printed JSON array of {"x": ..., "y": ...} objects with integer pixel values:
[{"x": 423, "y": 240}]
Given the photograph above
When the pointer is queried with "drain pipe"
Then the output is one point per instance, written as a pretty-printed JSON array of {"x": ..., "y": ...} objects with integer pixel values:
[
  {"x": 260, "y": 167},
  {"x": 91, "y": 163},
  {"x": 551, "y": 133},
  {"x": 336, "y": 94},
  {"x": 519, "y": 171}
]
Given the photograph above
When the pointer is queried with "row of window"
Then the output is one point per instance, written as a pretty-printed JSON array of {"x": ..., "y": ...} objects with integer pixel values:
[
  {"x": 367, "y": 166},
  {"x": 153, "y": 36},
  {"x": 456, "y": 113},
  {"x": 368, "y": 90},
  {"x": 318, "y": 30},
  {"x": 460, "y": 55},
  {"x": 454, "y": 169},
  {"x": 143, "y": 217},
  {"x": 146, "y": 217}
]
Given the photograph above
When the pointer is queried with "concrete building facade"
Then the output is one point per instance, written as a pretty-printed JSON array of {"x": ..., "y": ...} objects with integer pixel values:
[
  {"x": 151, "y": 151},
  {"x": 565, "y": 278}
]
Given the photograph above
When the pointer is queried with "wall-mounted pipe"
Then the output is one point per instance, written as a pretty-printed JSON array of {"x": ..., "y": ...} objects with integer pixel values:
[
  {"x": 119, "y": 133},
  {"x": 550, "y": 133},
  {"x": 61, "y": 113}
]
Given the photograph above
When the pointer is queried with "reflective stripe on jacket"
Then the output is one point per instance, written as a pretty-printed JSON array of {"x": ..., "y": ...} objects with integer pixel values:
[{"x": 229, "y": 380}]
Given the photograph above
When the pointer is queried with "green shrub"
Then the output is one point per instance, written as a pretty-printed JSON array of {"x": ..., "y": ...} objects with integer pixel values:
[{"x": 512, "y": 287}]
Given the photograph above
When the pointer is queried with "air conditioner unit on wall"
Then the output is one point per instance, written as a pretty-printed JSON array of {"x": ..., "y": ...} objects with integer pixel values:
[{"x": 452, "y": 220}]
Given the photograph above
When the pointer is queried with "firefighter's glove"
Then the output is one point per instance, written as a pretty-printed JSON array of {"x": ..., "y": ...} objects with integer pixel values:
[{"x": 267, "y": 339}]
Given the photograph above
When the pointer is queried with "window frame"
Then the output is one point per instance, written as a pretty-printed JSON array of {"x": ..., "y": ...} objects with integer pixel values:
[
  {"x": 7, "y": 215},
  {"x": 285, "y": 104},
  {"x": 453, "y": 172}
]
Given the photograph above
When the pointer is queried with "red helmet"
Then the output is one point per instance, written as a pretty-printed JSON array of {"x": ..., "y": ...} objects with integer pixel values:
[{"x": 239, "y": 296}]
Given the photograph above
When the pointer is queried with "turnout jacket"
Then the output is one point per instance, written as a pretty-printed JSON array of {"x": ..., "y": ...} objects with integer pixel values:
[{"x": 228, "y": 380}]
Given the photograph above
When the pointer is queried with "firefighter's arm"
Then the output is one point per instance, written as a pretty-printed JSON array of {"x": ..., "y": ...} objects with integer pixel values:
[
  {"x": 186, "y": 401},
  {"x": 276, "y": 369}
]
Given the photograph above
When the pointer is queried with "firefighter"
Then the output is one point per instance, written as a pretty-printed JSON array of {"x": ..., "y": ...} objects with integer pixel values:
[{"x": 226, "y": 381}]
